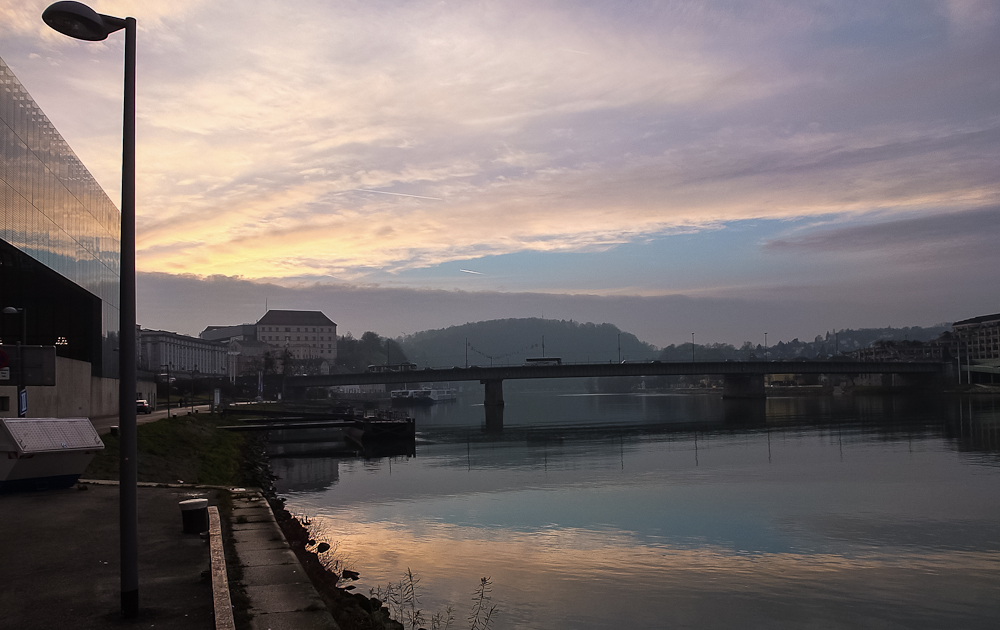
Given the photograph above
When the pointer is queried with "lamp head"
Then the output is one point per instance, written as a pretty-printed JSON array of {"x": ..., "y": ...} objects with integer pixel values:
[
  {"x": 79, "y": 21},
  {"x": 10, "y": 310}
]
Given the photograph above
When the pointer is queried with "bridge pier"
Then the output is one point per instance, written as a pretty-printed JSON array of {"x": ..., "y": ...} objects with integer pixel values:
[
  {"x": 494, "y": 420},
  {"x": 494, "y": 393},
  {"x": 743, "y": 386}
]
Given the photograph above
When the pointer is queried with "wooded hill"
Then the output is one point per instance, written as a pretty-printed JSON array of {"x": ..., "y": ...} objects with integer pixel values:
[
  {"x": 511, "y": 341},
  {"x": 833, "y": 343}
]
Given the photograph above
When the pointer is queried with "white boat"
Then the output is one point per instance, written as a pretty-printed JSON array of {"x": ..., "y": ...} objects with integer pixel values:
[{"x": 424, "y": 396}]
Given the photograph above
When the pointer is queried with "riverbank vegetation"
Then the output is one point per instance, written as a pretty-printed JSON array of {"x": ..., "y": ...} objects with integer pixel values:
[{"x": 402, "y": 601}]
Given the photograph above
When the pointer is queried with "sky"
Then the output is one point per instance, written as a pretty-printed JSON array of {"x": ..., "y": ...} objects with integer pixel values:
[{"x": 721, "y": 167}]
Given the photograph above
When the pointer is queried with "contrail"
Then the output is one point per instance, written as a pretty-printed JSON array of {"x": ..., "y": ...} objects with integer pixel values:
[
  {"x": 382, "y": 192},
  {"x": 467, "y": 271}
]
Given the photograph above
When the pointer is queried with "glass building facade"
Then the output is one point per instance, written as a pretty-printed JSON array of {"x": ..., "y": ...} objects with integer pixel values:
[{"x": 59, "y": 239}]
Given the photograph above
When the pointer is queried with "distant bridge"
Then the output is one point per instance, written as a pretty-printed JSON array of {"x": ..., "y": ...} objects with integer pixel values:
[{"x": 742, "y": 379}]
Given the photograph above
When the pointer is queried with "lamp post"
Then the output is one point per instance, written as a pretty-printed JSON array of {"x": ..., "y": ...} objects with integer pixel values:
[
  {"x": 765, "y": 346},
  {"x": 22, "y": 393},
  {"x": 692, "y": 347},
  {"x": 81, "y": 22},
  {"x": 167, "y": 365},
  {"x": 193, "y": 373}
]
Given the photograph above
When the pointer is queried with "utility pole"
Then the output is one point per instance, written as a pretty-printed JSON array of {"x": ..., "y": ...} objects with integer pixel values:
[
  {"x": 466, "y": 353},
  {"x": 958, "y": 350},
  {"x": 692, "y": 347},
  {"x": 619, "y": 348},
  {"x": 193, "y": 372}
]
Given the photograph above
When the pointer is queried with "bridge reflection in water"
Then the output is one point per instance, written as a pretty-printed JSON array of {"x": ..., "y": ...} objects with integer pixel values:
[
  {"x": 744, "y": 413},
  {"x": 971, "y": 425}
]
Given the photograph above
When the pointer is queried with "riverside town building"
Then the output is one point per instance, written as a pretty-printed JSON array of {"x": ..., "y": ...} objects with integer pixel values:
[{"x": 978, "y": 336}]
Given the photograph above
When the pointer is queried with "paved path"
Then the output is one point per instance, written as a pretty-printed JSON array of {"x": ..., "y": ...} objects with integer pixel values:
[
  {"x": 281, "y": 595},
  {"x": 103, "y": 424},
  {"x": 59, "y": 553}
]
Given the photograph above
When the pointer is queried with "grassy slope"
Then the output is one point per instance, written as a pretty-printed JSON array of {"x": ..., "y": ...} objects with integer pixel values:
[{"x": 191, "y": 449}]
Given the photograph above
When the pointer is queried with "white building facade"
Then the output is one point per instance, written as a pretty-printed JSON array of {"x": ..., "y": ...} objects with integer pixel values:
[
  {"x": 159, "y": 349},
  {"x": 306, "y": 334}
]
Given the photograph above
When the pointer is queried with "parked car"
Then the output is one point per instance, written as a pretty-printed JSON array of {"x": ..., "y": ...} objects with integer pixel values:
[{"x": 142, "y": 406}]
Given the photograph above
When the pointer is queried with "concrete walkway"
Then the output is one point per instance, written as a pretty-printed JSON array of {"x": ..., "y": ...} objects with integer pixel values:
[
  {"x": 281, "y": 595},
  {"x": 60, "y": 558}
]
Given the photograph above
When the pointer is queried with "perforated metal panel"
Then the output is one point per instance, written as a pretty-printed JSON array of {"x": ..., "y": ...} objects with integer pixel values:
[{"x": 44, "y": 435}]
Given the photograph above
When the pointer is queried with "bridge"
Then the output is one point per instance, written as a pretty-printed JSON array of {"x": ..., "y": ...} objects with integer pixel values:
[{"x": 742, "y": 379}]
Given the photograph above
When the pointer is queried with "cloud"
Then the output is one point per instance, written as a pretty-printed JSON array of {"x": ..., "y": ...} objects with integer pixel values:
[
  {"x": 942, "y": 240},
  {"x": 499, "y": 128}
]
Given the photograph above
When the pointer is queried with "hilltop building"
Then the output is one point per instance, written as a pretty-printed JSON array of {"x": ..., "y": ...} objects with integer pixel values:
[
  {"x": 887, "y": 350},
  {"x": 305, "y": 334},
  {"x": 309, "y": 337},
  {"x": 59, "y": 262}
]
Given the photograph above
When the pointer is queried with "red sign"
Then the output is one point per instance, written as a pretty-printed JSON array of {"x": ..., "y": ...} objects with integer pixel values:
[{"x": 4, "y": 361}]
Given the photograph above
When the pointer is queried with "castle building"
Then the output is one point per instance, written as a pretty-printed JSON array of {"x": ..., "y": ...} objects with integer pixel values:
[{"x": 305, "y": 334}]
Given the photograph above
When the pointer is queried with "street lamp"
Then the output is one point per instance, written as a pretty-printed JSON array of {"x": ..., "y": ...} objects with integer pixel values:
[
  {"x": 167, "y": 365},
  {"x": 765, "y": 346},
  {"x": 22, "y": 394},
  {"x": 81, "y": 22},
  {"x": 194, "y": 372},
  {"x": 692, "y": 347}
]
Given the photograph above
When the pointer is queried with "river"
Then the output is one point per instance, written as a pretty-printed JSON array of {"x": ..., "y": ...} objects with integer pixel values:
[{"x": 678, "y": 511}]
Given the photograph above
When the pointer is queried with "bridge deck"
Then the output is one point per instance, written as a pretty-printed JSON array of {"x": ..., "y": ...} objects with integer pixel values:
[{"x": 590, "y": 370}]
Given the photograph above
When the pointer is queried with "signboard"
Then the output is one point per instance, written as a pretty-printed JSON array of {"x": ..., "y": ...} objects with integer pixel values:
[
  {"x": 39, "y": 364},
  {"x": 4, "y": 359},
  {"x": 4, "y": 374}
]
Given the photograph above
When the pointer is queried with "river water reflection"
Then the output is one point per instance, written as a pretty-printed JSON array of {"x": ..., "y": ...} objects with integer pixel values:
[{"x": 647, "y": 511}]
